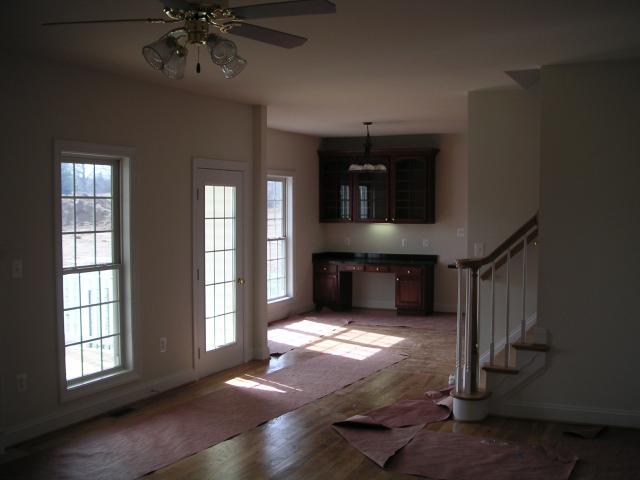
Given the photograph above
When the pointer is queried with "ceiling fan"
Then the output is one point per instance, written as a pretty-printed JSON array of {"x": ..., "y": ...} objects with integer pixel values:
[{"x": 168, "y": 54}]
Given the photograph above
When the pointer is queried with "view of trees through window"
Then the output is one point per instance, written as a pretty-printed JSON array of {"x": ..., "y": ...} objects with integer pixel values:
[{"x": 90, "y": 267}]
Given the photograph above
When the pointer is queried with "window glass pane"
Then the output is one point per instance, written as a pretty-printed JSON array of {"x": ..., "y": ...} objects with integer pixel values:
[
  {"x": 90, "y": 288},
  {"x": 110, "y": 319},
  {"x": 219, "y": 267},
  {"x": 66, "y": 179},
  {"x": 110, "y": 352},
  {"x": 219, "y": 326},
  {"x": 218, "y": 234},
  {"x": 84, "y": 179},
  {"x": 70, "y": 290},
  {"x": 73, "y": 361},
  {"x": 85, "y": 209},
  {"x": 218, "y": 203},
  {"x": 104, "y": 218},
  {"x": 208, "y": 235},
  {"x": 72, "y": 326},
  {"x": 228, "y": 234},
  {"x": 229, "y": 262},
  {"x": 90, "y": 317},
  {"x": 91, "y": 357},
  {"x": 103, "y": 180},
  {"x": 68, "y": 251},
  {"x": 68, "y": 216},
  {"x": 230, "y": 202},
  {"x": 85, "y": 249},
  {"x": 104, "y": 248},
  {"x": 208, "y": 268},
  {"x": 208, "y": 201},
  {"x": 108, "y": 285}
]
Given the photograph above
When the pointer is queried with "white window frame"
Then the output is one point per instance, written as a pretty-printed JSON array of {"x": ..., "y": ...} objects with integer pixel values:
[
  {"x": 127, "y": 373},
  {"x": 289, "y": 179}
]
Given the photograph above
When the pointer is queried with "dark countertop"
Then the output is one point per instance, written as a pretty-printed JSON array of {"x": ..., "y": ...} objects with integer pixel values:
[{"x": 377, "y": 258}]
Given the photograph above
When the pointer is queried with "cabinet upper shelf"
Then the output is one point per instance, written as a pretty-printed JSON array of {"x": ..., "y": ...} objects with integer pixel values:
[{"x": 400, "y": 188}]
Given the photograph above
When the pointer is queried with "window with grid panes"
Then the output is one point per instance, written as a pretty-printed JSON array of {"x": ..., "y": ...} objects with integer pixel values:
[
  {"x": 91, "y": 267},
  {"x": 277, "y": 239}
]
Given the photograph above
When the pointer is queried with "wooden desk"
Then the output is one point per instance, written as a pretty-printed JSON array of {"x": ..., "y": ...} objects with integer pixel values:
[{"x": 333, "y": 279}]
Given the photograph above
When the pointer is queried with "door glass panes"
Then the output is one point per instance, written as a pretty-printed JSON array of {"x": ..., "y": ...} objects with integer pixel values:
[
  {"x": 91, "y": 272},
  {"x": 220, "y": 265},
  {"x": 372, "y": 201},
  {"x": 276, "y": 239}
]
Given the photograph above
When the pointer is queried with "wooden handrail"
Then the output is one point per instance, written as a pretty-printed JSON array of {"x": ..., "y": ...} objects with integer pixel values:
[{"x": 477, "y": 263}]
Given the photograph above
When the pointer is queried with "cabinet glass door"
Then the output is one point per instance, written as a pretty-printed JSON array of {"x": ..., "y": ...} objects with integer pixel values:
[
  {"x": 335, "y": 190},
  {"x": 411, "y": 181},
  {"x": 372, "y": 196}
]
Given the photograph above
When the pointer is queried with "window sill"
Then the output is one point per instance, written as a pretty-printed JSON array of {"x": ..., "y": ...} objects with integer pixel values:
[
  {"x": 280, "y": 300},
  {"x": 98, "y": 384}
]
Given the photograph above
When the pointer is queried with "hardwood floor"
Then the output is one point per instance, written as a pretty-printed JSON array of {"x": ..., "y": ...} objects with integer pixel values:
[{"x": 302, "y": 444}]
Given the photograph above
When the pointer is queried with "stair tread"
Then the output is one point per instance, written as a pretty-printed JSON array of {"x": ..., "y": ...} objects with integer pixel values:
[
  {"x": 537, "y": 347},
  {"x": 500, "y": 369}
]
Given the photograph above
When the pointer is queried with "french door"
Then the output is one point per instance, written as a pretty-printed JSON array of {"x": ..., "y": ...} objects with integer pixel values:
[{"x": 218, "y": 270}]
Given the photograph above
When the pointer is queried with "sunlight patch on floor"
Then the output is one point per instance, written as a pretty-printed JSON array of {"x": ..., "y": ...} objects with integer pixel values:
[
  {"x": 314, "y": 328},
  {"x": 347, "y": 350},
  {"x": 246, "y": 383},
  {"x": 368, "y": 338},
  {"x": 295, "y": 339}
]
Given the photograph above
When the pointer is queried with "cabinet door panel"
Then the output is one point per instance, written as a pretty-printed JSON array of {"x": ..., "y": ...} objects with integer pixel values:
[
  {"x": 409, "y": 293},
  {"x": 325, "y": 289},
  {"x": 413, "y": 189},
  {"x": 335, "y": 190}
]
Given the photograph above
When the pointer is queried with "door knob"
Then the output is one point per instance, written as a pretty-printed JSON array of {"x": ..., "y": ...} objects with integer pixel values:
[{"x": 240, "y": 281}]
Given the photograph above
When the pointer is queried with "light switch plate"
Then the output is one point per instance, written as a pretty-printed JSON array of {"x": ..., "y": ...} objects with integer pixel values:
[
  {"x": 460, "y": 233},
  {"x": 478, "y": 249},
  {"x": 403, "y": 243}
]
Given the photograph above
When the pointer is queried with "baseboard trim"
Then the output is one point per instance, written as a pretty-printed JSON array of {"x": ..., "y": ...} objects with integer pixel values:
[
  {"x": 557, "y": 412},
  {"x": 47, "y": 423},
  {"x": 514, "y": 336}
]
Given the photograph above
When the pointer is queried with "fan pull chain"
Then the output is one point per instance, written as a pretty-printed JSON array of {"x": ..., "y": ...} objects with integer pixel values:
[{"x": 198, "y": 57}]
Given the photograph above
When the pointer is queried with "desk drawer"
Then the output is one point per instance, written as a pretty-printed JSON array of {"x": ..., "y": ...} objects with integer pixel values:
[
  {"x": 376, "y": 268},
  {"x": 408, "y": 271},
  {"x": 353, "y": 267},
  {"x": 325, "y": 267}
]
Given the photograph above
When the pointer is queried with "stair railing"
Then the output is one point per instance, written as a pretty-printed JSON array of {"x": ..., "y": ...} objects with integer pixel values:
[{"x": 471, "y": 272}]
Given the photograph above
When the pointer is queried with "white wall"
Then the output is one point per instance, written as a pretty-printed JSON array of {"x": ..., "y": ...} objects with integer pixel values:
[
  {"x": 378, "y": 290},
  {"x": 297, "y": 155},
  {"x": 504, "y": 163},
  {"x": 589, "y": 255},
  {"x": 42, "y": 101}
]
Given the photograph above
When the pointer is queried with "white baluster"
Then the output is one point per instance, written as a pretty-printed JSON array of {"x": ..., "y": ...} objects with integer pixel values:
[
  {"x": 506, "y": 322},
  {"x": 467, "y": 337},
  {"x": 459, "y": 335},
  {"x": 492, "y": 334},
  {"x": 523, "y": 327}
]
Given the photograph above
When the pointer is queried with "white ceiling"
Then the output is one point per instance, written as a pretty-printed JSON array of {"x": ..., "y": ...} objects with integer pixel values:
[{"x": 406, "y": 65}]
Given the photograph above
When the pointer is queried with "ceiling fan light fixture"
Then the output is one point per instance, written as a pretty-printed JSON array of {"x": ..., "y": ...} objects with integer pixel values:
[
  {"x": 222, "y": 51},
  {"x": 174, "y": 67},
  {"x": 158, "y": 53},
  {"x": 234, "y": 67}
]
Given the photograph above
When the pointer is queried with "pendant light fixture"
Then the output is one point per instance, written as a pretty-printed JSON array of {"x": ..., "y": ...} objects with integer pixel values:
[{"x": 365, "y": 164}]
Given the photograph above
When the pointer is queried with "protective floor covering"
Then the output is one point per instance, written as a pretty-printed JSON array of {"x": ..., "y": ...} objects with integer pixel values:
[
  {"x": 137, "y": 446},
  {"x": 395, "y": 439}
]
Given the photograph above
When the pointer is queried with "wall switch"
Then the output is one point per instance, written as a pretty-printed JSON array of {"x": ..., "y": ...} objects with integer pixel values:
[
  {"x": 163, "y": 344},
  {"x": 403, "y": 243},
  {"x": 347, "y": 241},
  {"x": 478, "y": 249},
  {"x": 16, "y": 268},
  {"x": 21, "y": 382},
  {"x": 425, "y": 243},
  {"x": 460, "y": 233}
]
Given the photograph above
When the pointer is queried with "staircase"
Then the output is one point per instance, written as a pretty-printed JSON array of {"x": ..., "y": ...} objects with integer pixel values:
[{"x": 520, "y": 352}]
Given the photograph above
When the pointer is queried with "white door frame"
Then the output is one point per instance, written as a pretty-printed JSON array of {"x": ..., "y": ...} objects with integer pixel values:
[{"x": 199, "y": 163}]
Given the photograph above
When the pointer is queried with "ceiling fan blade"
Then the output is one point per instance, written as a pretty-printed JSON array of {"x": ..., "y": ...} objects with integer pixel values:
[
  {"x": 284, "y": 9},
  {"x": 118, "y": 20},
  {"x": 267, "y": 35}
]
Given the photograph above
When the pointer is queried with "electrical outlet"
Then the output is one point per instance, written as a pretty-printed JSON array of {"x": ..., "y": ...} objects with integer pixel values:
[
  {"x": 460, "y": 233},
  {"x": 21, "y": 382},
  {"x": 425, "y": 243},
  {"x": 163, "y": 344},
  {"x": 478, "y": 249},
  {"x": 347, "y": 241},
  {"x": 16, "y": 268},
  {"x": 403, "y": 243}
]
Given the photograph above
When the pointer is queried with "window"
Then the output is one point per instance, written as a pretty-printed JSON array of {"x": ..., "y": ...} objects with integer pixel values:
[
  {"x": 279, "y": 285},
  {"x": 92, "y": 274}
]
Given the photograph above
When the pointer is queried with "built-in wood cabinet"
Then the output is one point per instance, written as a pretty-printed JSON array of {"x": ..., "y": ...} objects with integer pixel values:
[
  {"x": 414, "y": 279},
  {"x": 400, "y": 190}
]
